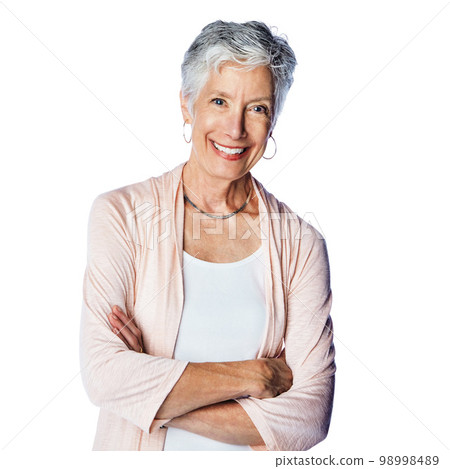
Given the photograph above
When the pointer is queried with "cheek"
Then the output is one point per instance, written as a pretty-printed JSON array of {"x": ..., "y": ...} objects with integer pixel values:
[
  {"x": 204, "y": 125},
  {"x": 260, "y": 132}
]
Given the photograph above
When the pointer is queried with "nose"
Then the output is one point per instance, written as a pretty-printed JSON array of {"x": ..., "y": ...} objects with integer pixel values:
[{"x": 235, "y": 125}]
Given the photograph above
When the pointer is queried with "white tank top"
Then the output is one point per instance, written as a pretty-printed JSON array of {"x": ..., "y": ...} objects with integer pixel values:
[{"x": 224, "y": 319}]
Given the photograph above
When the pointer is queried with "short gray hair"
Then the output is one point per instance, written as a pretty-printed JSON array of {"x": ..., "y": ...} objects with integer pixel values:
[{"x": 249, "y": 44}]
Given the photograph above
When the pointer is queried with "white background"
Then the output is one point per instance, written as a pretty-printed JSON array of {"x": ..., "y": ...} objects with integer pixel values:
[{"x": 89, "y": 103}]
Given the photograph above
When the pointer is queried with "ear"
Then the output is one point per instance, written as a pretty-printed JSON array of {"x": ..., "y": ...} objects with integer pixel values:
[{"x": 185, "y": 109}]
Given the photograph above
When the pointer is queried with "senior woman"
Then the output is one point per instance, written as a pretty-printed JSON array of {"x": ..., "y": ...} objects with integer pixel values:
[{"x": 205, "y": 320}]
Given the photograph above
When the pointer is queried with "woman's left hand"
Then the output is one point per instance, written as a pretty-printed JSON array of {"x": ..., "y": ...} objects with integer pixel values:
[{"x": 125, "y": 329}]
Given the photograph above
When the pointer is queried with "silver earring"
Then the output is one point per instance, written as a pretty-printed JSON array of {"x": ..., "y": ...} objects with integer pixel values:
[
  {"x": 275, "y": 149},
  {"x": 184, "y": 134}
]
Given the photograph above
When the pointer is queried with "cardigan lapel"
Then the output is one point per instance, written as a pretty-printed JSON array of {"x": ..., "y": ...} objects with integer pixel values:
[
  {"x": 177, "y": 204},
  {"x": 273, "y": 339}
]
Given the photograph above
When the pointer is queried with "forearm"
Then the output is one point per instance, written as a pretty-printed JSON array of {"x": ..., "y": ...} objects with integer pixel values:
[
  {"x": 225, "y": 421},
  {"x": 203, "y": 384}
]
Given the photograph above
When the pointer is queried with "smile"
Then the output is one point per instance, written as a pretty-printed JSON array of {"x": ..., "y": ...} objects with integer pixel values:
[{"x": 229, "y": 151}]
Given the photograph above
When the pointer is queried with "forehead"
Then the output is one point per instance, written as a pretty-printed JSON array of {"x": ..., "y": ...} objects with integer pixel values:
[{"x": 235, "y": 79}]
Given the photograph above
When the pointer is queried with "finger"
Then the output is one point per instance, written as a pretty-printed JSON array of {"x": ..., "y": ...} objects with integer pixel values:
[
  {"x": 118, "y": 326},
  {"x": 126, "y": 320},
  {"x": 131, "y": 339},
  {"x": 136, "y": 347},
  {"x": 116, "y": 322},
  {"x": 120, "y": 335}
]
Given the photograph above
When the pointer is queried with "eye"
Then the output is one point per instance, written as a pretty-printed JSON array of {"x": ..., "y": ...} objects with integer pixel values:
[
  {"x": 218, "y": 101},
  {"x": 260, "y": 109}
]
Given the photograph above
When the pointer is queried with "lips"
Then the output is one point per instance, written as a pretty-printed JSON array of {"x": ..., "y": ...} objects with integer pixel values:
[{"x": 229, "y": 153}]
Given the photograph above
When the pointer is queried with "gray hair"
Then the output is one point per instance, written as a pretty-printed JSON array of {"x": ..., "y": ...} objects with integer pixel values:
[{"x": 248, "y": 44}]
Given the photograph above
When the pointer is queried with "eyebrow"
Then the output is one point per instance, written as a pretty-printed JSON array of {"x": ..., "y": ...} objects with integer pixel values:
[{"x": 226, "y": 95}]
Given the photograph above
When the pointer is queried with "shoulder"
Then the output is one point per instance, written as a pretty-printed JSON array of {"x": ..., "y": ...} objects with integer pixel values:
[
  {"x": 153, "y": 191},
  {"x": 300, "y": 247},
  {"x": 282, "y": 217}
]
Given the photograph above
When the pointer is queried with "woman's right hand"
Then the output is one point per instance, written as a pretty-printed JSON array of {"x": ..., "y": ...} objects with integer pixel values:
[
  {"x": 125, "y": 328},
  {"x": 269, "y": 377}
]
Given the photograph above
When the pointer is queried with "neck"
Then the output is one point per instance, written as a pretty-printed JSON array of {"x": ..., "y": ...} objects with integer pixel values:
[{"x": 213, "y": 194}]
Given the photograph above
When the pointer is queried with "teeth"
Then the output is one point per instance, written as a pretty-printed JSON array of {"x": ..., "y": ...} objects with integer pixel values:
[{"x": 229, "y": 151}]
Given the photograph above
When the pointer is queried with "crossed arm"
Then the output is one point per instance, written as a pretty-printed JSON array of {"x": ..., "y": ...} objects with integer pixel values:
[
  {"x": 200, "y": 402},
  {"x": 295, "y": 416}
]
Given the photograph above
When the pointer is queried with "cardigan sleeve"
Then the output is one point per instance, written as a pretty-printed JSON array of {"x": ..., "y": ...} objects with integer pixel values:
[
  {"x": 299, "y": 418},
  {"x": 129, "y": 384}
]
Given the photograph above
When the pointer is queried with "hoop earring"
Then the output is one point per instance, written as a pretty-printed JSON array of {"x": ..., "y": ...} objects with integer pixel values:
[
  {"x": 275, "y": 149},
  {"x": 184, "y": 135}
]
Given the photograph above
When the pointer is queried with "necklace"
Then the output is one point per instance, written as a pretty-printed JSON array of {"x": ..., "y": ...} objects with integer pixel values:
[{"x": 219, "y": 216}]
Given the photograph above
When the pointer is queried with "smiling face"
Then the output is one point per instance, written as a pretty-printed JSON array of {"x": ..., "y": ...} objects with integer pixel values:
[{"x": 231, "y": 121}]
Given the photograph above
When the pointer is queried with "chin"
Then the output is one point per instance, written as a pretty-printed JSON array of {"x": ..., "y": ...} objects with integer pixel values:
[{"x": 229, "y": 169}]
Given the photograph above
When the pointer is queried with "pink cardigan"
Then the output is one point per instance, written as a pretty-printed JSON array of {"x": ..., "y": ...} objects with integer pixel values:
[{"x": 135, "y": 246}]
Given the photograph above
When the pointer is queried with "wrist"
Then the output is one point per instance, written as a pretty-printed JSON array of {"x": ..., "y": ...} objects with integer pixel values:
[{"x": 249, "y": 380}]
